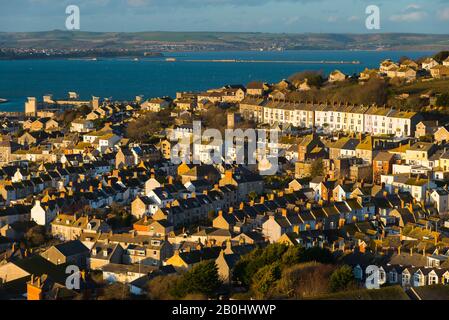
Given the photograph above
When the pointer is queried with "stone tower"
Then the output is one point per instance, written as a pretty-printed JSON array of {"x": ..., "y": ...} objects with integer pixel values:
[{"x": 31, "y": 106}]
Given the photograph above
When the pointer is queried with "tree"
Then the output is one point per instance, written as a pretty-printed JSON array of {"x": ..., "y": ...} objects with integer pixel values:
[
  {"x": 115, "y": 291},
  {"x": 441, "y": 56},
  {"x": 317, "y": 168},
  {"x": 202, "y": 279},
  {"x": 341, "y": 279},
  {"x": 317, "y": 254},
  {"x": 36, "y": 236},
  {"x": 292, "y": 255},
  {"x": 265, "y": 279},
  {"x": 314, "y": 78},
  {"x": 443, "y": 100},
  {"x": 249, "y": 264},
  {"x": 305, "y": 280},
  {"x": 159, "y": 287},
  {"x": 119, "y": 217},
  {"x": 252, "y": 195},
  {"x": 402, "y": 59}
]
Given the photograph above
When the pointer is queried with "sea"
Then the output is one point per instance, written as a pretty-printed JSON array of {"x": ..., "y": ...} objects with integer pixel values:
[{"x": 126, "y": 78}]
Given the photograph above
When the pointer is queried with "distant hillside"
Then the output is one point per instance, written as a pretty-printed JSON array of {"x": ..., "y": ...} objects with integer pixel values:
[{"x": 178, "y": 41}]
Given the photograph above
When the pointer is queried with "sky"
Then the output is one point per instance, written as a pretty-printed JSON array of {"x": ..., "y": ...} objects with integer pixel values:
[{"x": 276, "y": 16}]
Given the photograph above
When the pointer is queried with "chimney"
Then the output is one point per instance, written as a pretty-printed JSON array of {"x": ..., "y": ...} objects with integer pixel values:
[
  {"x": 231, "y": 210},
  {"x": 262, "y": 199},
  {"x": 241, "y": 206},
  {"x": 91, "y": 188},
  {"x": 284, "y": 212},
  {"x": 411, "y": 251},
  {"x": 220, "y": 213},
  {"x": 170, "y": 179}
]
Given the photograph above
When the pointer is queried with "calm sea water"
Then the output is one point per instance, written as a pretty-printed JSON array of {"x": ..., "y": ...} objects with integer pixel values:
[{"x": 124, "y": 78}]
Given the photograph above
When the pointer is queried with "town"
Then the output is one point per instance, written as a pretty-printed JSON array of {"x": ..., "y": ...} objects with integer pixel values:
[{"x": 361, "y": 180}]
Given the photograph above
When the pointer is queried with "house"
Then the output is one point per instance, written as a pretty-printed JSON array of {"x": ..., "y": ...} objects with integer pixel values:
[
  {"x": 387, "y": 65},
  {"x": 195, "y": 172},
  {"x": 44, "y": 124},
  {"x": 426, "y": 128},
  {"x": 244, "y": 180},
  {"x": 103, "y": 253},
  {"x": 44, "y": 212},
  {"x": 337, "y": 76},
  {"x": 256, "y": 88},
  {"x": 439, "y": 71},
  {"x": 143, "y": 206},
  {"x": 368, "y": 74},
  {"x": 124, "y": 158},
  {"x": 149, "y": 254},
  {"x": 275, "y": 227},
  {"x": 155, "y": 104},
  {"x": 440, "y": 199},
  {"x": 81, "y": 125},
  {"x": 153, "y": 227},
  {"x": 409, "y": 63},
  {"x": 70, "y": 252},
  {"x": 428, "y": 63},
  {"x": 382, "y": 165},
  {"x": 446, "y": 62},
  {"x": 225, "y": 221},
  {"x": 70, "y": 227},
  {"x": 404, "y": 216},
  {"x": 441, "y": 135},
  {"x": 406, "y": 73},
  {"x": 114, "y": 272}
]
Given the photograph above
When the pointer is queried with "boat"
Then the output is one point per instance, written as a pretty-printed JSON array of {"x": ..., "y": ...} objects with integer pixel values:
[
  {"x": 136, "y": 59},
  {"x": 3, "y": 100},
  {"x": 170, "y": 59}
]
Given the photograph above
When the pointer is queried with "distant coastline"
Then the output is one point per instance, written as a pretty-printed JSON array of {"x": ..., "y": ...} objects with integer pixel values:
[
  {"x": 160, "y": 41},
  {"x": 83, "y": 55}
]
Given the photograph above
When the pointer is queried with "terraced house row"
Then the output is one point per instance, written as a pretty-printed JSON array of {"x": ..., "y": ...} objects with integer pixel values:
[{"x": 335, "y": 116}]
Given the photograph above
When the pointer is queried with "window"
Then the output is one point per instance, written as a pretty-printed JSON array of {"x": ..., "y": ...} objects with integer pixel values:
[
  {"x": 393, "y": 277},
  {"x": 405, "y": 279}
]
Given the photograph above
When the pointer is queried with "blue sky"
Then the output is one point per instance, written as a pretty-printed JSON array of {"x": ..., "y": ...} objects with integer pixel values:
[{"x": 291, "y": 16}]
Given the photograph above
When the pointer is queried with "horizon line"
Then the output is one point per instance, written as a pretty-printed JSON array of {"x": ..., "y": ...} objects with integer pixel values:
[{"x": 235, "y": 32}]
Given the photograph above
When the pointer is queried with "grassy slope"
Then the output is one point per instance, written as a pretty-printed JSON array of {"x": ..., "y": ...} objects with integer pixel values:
[{"x": 387, "y": 293}]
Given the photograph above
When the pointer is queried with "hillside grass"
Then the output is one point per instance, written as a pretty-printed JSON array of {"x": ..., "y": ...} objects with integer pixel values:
[{"x": 387, "y": 293}]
